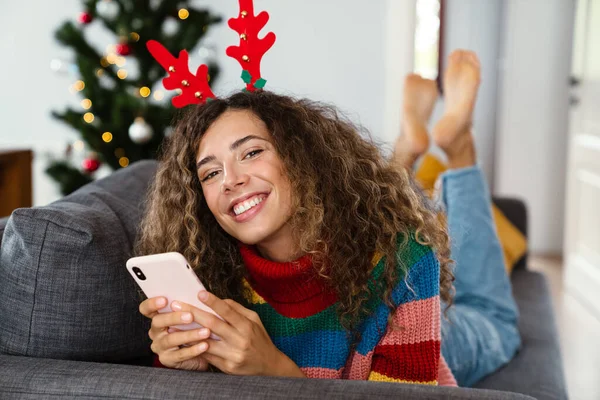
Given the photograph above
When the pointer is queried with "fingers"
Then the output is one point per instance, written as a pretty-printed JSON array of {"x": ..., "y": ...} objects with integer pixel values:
[
  {"x": 166, "y": 320},
  {"x": 175, "y": 357},
  {"x": 149, "y": 307},
  {"x": 223, "y": 308},
  {"x": 251, "y": 315},
  {"x": 172, "y": 341},
  {"x": 212, "y": 322}
]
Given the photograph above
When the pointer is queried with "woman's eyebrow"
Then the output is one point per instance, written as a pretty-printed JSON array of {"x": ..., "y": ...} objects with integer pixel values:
[
  {"x": 243, "y": 140},
  {"x": 233, "y": 146},
  {"x": 205, "y": 160}
]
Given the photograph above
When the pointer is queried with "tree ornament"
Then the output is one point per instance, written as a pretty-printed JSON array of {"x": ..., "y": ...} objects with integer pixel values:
[
  {"x": 140, "y": 131},
  {"x": 91, "y": 163},
  {"x": 170, "y": 27},
  {"x": 85, "y": 18},
  {"x": 108, "y": 9},
  {"x": 123, "y": 49}
]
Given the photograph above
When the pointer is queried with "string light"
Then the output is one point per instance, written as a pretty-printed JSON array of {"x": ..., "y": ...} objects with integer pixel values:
[
  {"x": 159, "y": 95},
  {"x": 86, "y": 104},
  {"x": 145, "y": 91},
  {"x": 79, "y": 86},
  {"x": 120, "y": 152},
  {"x": 183, "y": 13},
  {"x": 104, "y": 62},
  {"x": 99, "y": 72},
  {"x": 122, "y": 74},
  {"x": 107, "y": 137},
  {"x": 123, "y": 161},
  {"x": 134, "y": 36},
  {"x": 88, "y": 117},
  {"x": 78, "y": 145},
  {"x": 120, "y": 61},
  {"x": 111, "y": 58}
]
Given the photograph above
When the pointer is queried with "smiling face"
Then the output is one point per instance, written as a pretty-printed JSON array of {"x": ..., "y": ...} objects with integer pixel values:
[{"x": 243, "y": 180}]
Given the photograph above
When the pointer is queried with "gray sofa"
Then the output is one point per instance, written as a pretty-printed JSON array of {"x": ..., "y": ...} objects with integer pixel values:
[{"x": 69, "y": 325}]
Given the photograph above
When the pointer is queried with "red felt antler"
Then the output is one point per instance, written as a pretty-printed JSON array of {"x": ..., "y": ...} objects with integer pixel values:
[
  {"x": 194, "y": 89},
  {"x": 251, "y": 49}
]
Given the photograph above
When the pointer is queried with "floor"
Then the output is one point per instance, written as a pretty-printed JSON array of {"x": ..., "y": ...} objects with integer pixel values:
[{"x": 579, "y": 332}]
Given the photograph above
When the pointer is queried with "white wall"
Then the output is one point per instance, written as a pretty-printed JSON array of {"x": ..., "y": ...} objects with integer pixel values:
[
  {"x": 476, "y": 25},
  {"x": 347, "y": 52},
  {"x": 533, "y": 114}
]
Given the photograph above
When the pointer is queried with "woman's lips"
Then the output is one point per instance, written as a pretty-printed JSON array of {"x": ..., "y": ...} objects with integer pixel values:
[{"x": 249, "y": 214}]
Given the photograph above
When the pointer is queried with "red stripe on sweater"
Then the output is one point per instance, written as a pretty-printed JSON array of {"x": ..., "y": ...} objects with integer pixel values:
[
  {"x": 411, "y": 362},
  {"x": 303, "y": 309}
]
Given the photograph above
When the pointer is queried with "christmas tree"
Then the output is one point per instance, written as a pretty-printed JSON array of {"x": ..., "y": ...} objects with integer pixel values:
[{"x": 122, "y": 120}]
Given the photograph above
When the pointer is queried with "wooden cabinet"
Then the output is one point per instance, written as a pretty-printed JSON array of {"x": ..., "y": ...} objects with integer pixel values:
[{"x": 15, "y": 180}]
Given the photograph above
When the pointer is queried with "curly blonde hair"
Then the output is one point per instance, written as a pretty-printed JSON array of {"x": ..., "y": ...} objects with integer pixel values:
[{"x": 348, "y": 203}]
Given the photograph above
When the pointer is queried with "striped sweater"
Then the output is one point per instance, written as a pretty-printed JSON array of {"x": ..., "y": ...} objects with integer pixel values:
[{"x": 299, "y": 313}]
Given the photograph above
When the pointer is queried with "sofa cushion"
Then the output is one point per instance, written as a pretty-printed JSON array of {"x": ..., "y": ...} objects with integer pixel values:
[
  {"x": 66, "y": 293},
  {"x": 537, "y": 369}
]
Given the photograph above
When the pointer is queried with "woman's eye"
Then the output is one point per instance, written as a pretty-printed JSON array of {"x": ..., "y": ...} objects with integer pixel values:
[
  {"x": 209, "y": 176},
  {"x": 253, "y": 153}
]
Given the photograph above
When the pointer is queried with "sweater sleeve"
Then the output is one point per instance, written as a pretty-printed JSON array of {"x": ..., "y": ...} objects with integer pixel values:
[{"x": 410, "y": 350}]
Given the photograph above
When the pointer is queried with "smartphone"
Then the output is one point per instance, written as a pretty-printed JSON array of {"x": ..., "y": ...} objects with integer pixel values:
[{"x": 169, "y": 275}]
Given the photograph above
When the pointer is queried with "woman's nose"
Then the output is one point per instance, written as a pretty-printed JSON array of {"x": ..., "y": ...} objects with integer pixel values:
[{"x": 233, "y": 178}]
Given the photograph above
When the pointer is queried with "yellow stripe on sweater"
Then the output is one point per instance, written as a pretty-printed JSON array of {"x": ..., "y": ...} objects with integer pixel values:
[
  {"x": 376, "y": 376},
  {"x": 376, "y": 257},
  {"x": 256, "y": 298}
]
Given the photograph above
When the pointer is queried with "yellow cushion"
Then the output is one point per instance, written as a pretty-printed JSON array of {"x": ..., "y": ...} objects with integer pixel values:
[{"x": 514, "y": 243}]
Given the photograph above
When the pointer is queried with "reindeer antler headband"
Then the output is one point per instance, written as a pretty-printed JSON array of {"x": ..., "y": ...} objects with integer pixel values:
[{"x": 195, "y": 88}]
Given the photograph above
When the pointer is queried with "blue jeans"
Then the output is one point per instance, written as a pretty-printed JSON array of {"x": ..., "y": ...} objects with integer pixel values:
[{"x": 480, "y": 334}]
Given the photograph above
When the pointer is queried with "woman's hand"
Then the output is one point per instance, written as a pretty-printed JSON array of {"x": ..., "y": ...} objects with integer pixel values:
[
  {"x": 245, "y": 347},
  {"x": 167, "y": 345}
]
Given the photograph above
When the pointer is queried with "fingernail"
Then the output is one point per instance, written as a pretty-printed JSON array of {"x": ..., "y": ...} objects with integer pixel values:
[
  {"x": 175, "y": 306},
  {"x": 202, "y": 346},
  {"x": 161, "y": 302},
  {"x": 203, "y": 332},
  {"x": 186, "y": 317},
  {"x": 203, "y": 295}
]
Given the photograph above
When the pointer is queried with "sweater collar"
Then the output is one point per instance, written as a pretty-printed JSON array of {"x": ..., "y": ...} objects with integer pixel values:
[{"x": 285, "y": 282}]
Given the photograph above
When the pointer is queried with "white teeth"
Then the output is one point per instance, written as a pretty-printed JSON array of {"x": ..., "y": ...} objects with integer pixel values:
[{"x": 246, "y": 205}]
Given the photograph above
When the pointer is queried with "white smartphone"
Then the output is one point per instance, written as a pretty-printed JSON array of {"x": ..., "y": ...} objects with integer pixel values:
[{"x": 169, "y": 275}]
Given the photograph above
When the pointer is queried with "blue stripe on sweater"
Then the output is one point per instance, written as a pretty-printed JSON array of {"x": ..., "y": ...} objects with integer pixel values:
[
  {"x": 324, "y": 349},
  {"x": 423, "y": 279}
]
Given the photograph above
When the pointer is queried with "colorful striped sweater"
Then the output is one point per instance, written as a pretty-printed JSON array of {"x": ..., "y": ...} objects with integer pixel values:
[{"x": 299, "y": 313}]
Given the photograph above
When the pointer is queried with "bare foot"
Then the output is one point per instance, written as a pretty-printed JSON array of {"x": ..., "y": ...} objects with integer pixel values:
[
  {"x": 419, "y": 98},
  {"x": 453, "y": 132}
]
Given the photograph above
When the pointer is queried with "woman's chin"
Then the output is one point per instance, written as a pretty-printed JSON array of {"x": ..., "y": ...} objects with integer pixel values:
[{"x": 250, "y": 238}]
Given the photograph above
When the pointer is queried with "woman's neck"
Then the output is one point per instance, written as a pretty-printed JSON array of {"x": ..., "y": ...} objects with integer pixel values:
[{"x": 279, "y": 248}]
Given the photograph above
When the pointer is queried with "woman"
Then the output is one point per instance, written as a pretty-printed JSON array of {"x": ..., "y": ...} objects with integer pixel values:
[{"x": 330, "y": 262}]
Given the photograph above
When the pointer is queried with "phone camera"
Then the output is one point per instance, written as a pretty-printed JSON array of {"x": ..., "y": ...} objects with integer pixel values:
[
  {"x": 138, "y": 272},
  {"x": 188, "y": 266}
]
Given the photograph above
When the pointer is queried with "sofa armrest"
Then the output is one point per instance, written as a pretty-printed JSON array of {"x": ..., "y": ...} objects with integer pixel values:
[
  {"x": 28, "y": 378},
  {"x": 516, "y": 212},
  {"x": 3, "y": 222}
]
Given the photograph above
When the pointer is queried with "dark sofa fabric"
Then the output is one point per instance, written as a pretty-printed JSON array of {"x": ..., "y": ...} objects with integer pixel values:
[
  {"x": 66, "y": 293},
  {"x": 53, "y": 379}
]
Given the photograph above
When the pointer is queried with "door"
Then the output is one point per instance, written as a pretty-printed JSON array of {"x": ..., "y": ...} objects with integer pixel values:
[{"x": 582, "y": 236}]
